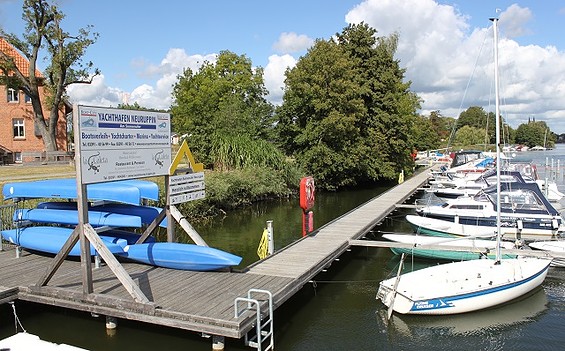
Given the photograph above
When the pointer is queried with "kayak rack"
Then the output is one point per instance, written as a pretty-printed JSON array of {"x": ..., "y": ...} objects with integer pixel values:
[{"x": 263, "y": 333}]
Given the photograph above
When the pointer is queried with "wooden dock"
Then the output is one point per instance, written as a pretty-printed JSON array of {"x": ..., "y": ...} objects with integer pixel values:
[{"x": 197, "y": 301}]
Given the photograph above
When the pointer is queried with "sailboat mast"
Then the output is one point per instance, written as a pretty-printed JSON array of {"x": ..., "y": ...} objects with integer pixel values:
[{"x": 497, "y": 118}]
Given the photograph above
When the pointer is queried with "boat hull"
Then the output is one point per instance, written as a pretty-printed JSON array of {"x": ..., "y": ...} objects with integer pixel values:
[
  {"x": 551, "y": 246},
  {"x": 181, "y": 256},
  {"x": 464, "y": 286},
  {"x": 447, "y": 228},
  {"x": 478, "y": 248}
]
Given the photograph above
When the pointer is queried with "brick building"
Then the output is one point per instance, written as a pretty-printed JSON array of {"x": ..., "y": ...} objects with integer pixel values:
[{"x": 18, "y": 137}]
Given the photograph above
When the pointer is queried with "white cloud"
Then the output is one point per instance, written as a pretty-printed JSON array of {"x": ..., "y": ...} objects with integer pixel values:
[
  {"x": 514, "y": 21},
  {"x": 291, "y": 43},
  {"x": 154, "y": 94},
  {"x": 450, "y": 64},
  {"x": 95, "y": 94},
  {"x": 274, "y": 76}
]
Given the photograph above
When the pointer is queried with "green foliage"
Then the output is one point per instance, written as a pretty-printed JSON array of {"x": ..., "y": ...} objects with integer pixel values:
[
  {"x": 222, "y": 100},
  {"x": 346, "y": 114},
  {"x": 441, "y": 125},
  {"x": 240, "y": 151},
  {"x": 535, "y": 134},
  {"x": 136, "y": 107},
  {"x": 424, "y": 135},
  {"x": 228, "y": 190},
  {"x": 468, "y": 135},
  {"x": 64, "y": 53}
]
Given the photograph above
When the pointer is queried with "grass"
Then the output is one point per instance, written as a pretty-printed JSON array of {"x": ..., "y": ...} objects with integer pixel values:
[{"x": 20, "y": 173}]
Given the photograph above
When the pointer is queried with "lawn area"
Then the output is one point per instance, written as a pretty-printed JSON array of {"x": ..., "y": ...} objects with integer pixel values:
[{"x": 19, "y": 173}]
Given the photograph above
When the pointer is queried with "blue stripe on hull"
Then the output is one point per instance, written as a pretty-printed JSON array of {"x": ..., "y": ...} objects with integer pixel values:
[{"x": 447, "y": 302}]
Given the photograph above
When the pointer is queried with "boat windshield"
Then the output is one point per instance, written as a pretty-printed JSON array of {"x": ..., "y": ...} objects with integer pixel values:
[{"x": 516, "y": 200}]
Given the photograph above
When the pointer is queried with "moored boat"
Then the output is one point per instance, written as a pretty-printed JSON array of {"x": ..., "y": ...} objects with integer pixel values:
[
  {"x": 472, "y": 285},
  {"x": 555, "y": 247},
  {"x": 477, "y": 248},
  {"x": 526, "y": 214},
  {"x": 463, "y": 286}
]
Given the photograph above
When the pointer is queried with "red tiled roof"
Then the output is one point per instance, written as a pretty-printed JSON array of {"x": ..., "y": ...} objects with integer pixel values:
[{"x": 21, "y": 62}]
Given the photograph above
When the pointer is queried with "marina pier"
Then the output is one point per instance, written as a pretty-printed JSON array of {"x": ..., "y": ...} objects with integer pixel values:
[{"x": 202, "y": 302}]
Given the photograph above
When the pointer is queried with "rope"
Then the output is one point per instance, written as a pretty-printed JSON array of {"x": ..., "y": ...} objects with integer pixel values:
[{"x": 17, "y": 321}]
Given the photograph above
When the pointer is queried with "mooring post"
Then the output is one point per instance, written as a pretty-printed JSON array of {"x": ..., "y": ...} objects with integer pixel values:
[
  {"x": 271, "y": 236},
  {"x": 111, "y": 323},
  {"x": 217, "y": 343}
]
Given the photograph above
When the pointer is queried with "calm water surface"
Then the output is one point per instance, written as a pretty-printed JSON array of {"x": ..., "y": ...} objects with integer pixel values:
[{"x": 338, "y": 311}]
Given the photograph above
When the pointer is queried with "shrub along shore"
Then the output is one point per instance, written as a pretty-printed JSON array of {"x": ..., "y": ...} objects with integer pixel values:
[{"x": 225, "y": 190}]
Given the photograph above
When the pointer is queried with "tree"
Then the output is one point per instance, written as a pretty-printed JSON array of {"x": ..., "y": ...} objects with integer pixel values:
[
  {"x": 535, "y": 134},
  {"x": 346, "y": 114},
  {"x": 424, "y": 136},
  {"x": 476, "y": 117},
  {"x": 222, "y": 104},
  {"x": 468, "y": 136},
  {"x": 64, "y": 52}
]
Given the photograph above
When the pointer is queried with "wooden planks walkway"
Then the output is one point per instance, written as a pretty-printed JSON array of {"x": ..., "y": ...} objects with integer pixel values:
[{"x": 197, "y": 301}]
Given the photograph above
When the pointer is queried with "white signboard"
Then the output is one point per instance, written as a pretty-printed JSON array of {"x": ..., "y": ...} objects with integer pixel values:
[
  {"x": 116, "y": 144},
  {"x": 186, "y": 187}
]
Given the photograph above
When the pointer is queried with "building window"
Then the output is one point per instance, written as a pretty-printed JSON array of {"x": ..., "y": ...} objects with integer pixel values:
[
  {"x": 27, "y": 99},
  {"x": 13, "y": 95},
  {"x": 18, "y": 157},
  {"x": 18, "y": 125}
]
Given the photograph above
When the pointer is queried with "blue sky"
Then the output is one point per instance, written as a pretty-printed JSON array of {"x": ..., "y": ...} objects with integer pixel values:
[{"x": 443, "y": 46}]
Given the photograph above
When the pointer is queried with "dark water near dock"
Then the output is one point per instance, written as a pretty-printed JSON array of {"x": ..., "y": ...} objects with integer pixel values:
[{"x": 337, "y": 311}]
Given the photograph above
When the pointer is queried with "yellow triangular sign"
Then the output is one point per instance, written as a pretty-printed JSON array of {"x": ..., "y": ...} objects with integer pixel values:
[{"x": 185, "y": 151}]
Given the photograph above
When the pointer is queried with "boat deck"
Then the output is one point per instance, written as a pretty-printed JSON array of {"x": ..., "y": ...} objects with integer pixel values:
[{"x": 197, "y": 301}]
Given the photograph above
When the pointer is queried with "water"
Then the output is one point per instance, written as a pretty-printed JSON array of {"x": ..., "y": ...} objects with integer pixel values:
[{"x": 336, "y": 312}]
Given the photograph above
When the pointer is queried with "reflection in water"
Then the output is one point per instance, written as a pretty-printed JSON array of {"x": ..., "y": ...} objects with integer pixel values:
[{"x": 485, "y": 330}]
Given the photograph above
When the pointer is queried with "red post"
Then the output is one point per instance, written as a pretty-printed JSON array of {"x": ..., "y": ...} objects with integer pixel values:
[{"x": 307, "y": 190}]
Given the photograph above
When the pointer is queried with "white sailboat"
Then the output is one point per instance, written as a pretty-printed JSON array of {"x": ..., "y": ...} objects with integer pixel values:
[{"x": 465, "y": 286}]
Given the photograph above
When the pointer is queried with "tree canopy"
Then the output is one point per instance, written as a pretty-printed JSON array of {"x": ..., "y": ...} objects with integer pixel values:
[
  {"x": 64, "y": 54},
  {"x": 223, "y": 107},
  {"x": 347, "y": 114},
  {"x": 535, "y": 134}
]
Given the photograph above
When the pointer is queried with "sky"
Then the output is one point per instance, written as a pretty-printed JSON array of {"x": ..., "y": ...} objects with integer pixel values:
[{"x": 445, "y": 46}]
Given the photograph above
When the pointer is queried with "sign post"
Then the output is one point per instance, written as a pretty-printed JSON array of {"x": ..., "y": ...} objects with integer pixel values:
[{"x": 112, "y": 144}]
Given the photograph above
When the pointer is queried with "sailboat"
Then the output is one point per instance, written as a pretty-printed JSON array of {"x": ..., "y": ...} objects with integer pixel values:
[{"x": 465, "y": 286}]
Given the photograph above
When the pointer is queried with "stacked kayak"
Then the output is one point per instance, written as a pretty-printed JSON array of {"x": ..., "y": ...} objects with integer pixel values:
[{"x": 118, "y": 208}]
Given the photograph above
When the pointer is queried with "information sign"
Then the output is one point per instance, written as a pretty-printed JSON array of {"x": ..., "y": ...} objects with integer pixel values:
[{"x": 117, "y": 144}]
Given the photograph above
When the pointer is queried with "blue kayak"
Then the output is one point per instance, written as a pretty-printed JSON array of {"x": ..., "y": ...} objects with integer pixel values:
[
  {"x": 51, "y": 240},
  {"x": 125, "y": 191},
  {"x": 146, "y": 213},
  {"x": 181, "y": 256},
  {"x": 70, "y": 217}
]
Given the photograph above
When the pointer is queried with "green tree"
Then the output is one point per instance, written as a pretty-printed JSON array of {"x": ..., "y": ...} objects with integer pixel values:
[
  {"x": 441, "y": 125},
  {"x": 222, "y": 102},
  {"x": 346, "y": 114},
  {"x": 468, "y": 136},
  {"x": 476, "y": 117},
  {"x": 535, "y": 134},
  {"x": 64, "y": 55},
  {"x": 424, "y": 135},
  {"x": 137, "y": 107}
]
